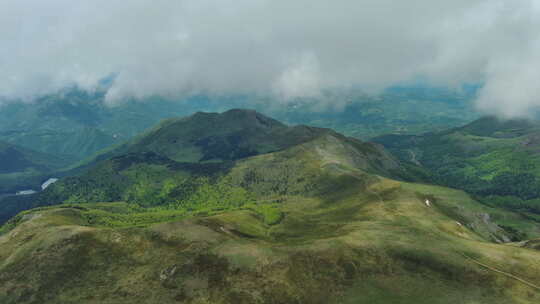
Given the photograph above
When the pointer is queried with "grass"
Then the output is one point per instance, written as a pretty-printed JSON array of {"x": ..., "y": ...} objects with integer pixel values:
[
  {"x": 362, "y": 247},
  {"x": 462, "y": 207}
]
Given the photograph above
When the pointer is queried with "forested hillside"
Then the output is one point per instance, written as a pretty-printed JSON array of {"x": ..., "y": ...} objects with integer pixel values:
[{"x": 497, "y": 160}]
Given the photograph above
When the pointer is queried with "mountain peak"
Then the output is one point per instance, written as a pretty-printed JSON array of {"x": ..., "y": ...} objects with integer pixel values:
[
  {"x": 245, "y": 118},
  {"x": 230, "y": 135}
]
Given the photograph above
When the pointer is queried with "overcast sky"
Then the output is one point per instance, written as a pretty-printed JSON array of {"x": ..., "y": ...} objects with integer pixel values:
[{"x": 287, "y": 48}]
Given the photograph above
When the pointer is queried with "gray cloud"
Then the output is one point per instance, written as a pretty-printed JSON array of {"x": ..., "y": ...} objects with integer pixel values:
[{"x": 283, "y": 48}]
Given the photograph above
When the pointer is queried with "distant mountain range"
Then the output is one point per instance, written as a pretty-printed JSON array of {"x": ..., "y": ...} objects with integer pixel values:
[{"x": 73, "y": 124}]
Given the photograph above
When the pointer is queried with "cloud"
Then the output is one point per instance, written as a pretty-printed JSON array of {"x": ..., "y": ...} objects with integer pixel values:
[{"x": 285, "y": 49}]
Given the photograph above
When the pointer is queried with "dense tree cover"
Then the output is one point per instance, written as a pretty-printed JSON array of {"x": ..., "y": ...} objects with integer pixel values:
[
  {"x": 11, "y": 205},
  {"x": 523, "y": 185},
  {"x": 153, "y": 190},
  {"x": 146, "y": 202},
  {"x": 512, "y": 190},
  {"x": 189, "y": 193},
  {"x": 512, "y": 202},
  {"x": 488, "y": 158}
]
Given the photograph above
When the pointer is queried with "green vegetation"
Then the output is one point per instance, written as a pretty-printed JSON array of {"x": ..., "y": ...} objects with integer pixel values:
[
  {"x": 213, "y": 137},
  {"x": 174, "y": 162},
  {"x": 307, "y": 216},
  {"x": 76, "y": 124},
  {"x": 373, "y": 240},
  {"x": 493, "y": 159},
  {"x": 398, "y": 110}
]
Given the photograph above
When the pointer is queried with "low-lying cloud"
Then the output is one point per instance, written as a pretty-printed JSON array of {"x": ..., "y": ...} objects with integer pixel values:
[{"x": 286, "y": 49}]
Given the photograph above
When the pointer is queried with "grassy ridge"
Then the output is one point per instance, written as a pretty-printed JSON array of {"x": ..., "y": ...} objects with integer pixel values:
[{"x": 374, "y": 241}]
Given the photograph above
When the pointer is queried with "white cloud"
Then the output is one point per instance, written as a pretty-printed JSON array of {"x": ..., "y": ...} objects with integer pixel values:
[
  {"x": 300, "y": 79},
  {"x": 287, "y": 48}
]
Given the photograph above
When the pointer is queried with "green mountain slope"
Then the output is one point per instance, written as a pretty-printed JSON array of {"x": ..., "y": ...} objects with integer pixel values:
[
  {"x": 203, "y": 145},
  {"x": 313, "y": 223},
  {"x": 495, "y": 159},
  {"x": 185, "y": 152},
  {"x": 217, "y": 137},
  {"x": 308, "y": 216}
]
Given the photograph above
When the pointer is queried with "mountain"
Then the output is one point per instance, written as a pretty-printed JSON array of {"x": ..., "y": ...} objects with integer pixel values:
[
  {"x": 22, "y": 168},
  {"x": 495, "y": 159},
  {"x": 219, "y": 137},
  {"x": 203, "y": 144},
  {"x": 231, "y": 135},
  {"x": 308, "y": 216},
  {"x": 75, "y": 124}
]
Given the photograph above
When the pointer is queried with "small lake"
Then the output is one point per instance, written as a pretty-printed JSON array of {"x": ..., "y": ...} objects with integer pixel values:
[{"x": 44, "y": 186}]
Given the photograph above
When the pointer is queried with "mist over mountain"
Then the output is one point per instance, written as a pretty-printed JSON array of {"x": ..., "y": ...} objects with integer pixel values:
[
  {"x": 74, "y": 124},
  {"x": 271, "y": 48}
]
